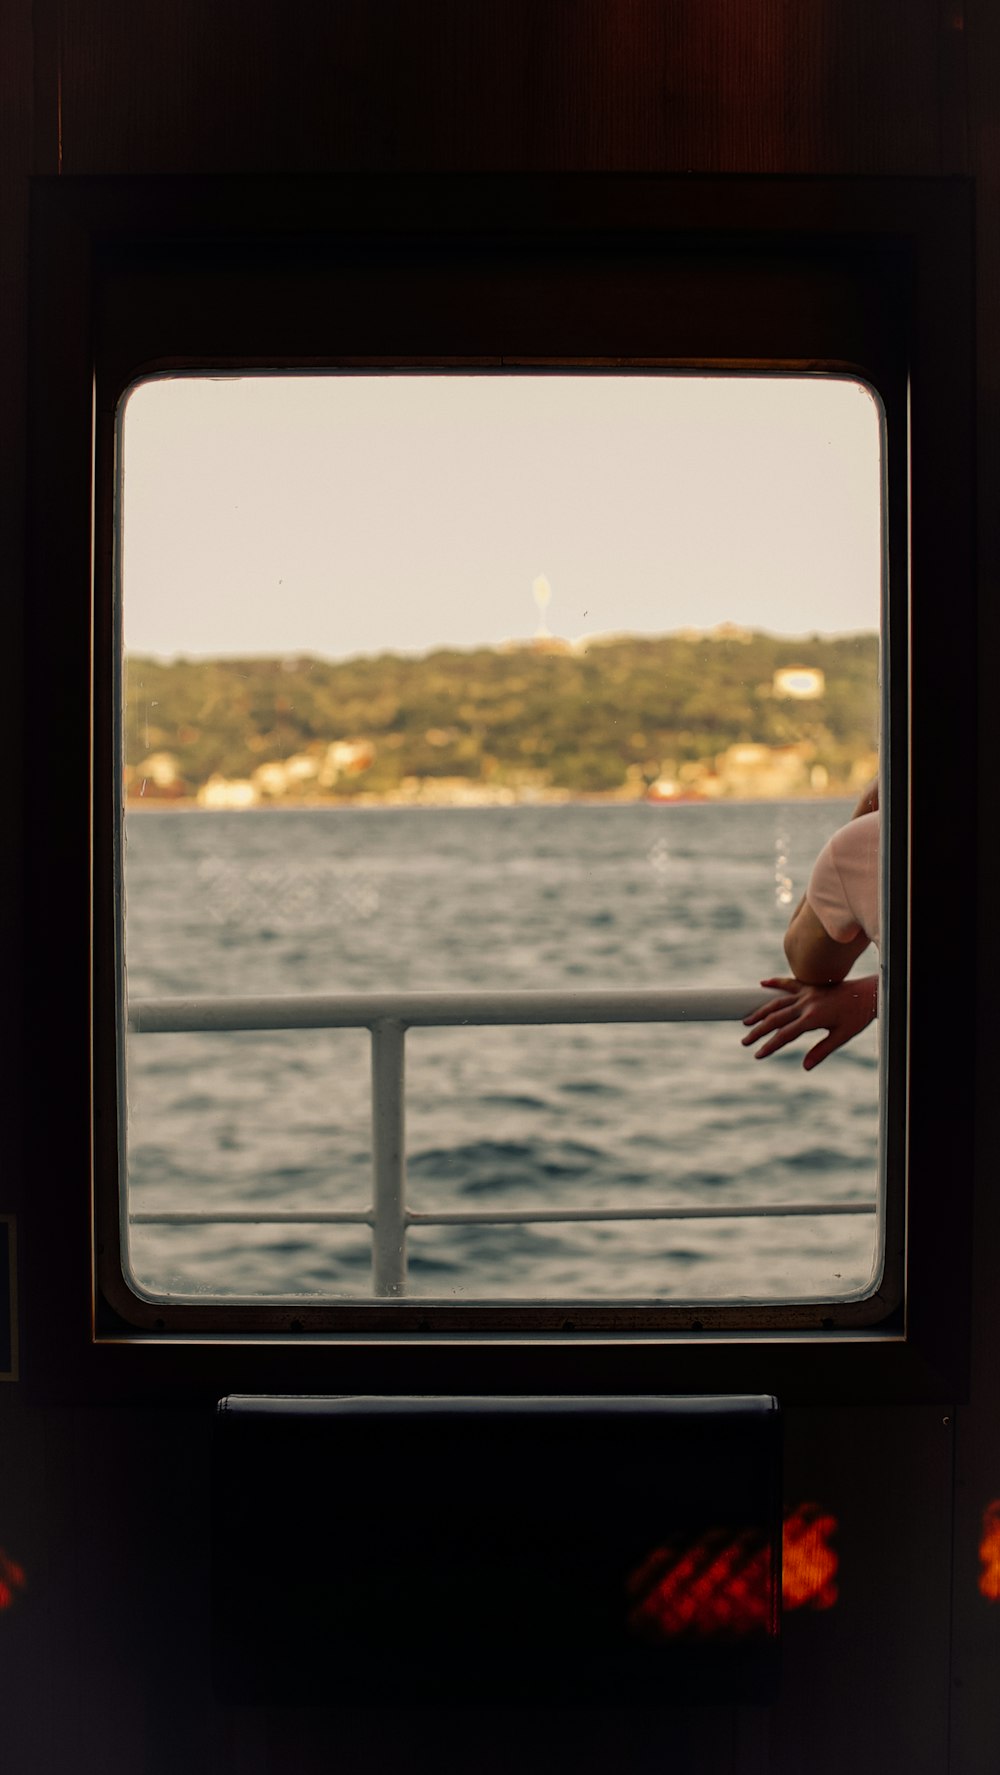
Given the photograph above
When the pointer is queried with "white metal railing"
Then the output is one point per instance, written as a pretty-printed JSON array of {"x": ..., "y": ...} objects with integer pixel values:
[{"x": 388, "y": 1016}]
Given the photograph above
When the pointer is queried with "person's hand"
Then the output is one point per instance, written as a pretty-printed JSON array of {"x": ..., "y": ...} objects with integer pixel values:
[{"x": 843, "y": 1009}]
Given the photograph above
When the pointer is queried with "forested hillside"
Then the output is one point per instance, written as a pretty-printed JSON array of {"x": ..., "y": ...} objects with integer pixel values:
[{"x": 625, "y": 711}]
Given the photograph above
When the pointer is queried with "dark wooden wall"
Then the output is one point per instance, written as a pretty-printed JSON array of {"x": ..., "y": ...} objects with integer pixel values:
[
  {"x": 503, "y": 85},
  {"x": 756, "y": 86}
]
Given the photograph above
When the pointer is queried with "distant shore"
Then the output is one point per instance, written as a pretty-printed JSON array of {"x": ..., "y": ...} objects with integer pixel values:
[
  {"x": 551, "y": 798},
  {"x": 736, "y": 715}
]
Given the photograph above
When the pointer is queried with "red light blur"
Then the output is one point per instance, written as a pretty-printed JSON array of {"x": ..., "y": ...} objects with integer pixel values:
[
  {"x": 721, "y": 1587},
  {"x": 808, "y": 1562},
  {"x": 12, "y": 1579},
  {"x": 989, "y": 1553}
]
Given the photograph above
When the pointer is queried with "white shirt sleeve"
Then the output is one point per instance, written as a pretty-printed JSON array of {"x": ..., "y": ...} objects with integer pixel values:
[{"x": 843, "y": 887}]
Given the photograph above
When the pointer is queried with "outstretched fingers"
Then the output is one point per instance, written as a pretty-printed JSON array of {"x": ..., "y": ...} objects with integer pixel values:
[
  {"x": 772, "y": 1006},
  {"x": 774, "y": 1013},
  {"x": 821, "y": 1050},
  {"x": 777, "y": 1018},
  {"x": 780, "y": 1039},
  {"x": 842, "y": 1008},
  {"x": 829, "y": 1045}
]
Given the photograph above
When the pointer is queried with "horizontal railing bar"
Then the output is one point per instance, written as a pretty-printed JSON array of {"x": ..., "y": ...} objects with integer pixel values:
[
  {"x": 251, "y": 1217},
  {"x": 363, "y": 1010},
  {"x": 488, "y": 1217},
  {"x": 388, "y": 1016},
  {"x": 512, "y": 1217}
]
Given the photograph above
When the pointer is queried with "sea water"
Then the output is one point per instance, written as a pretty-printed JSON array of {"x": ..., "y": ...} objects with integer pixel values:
[{"x": 328, "y": 900}]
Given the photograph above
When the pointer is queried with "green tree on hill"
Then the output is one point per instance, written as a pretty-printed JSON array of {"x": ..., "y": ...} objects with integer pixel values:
[{"x": 584, "y": 722}]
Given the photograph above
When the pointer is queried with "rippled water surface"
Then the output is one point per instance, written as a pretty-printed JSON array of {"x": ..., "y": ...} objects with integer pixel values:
[{"x": 332, "y": 900}]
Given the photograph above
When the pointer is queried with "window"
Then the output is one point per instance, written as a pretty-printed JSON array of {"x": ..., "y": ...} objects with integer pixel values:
[
  {"x": 859, "y": 285},
  {"x": 417, "y": 769}
]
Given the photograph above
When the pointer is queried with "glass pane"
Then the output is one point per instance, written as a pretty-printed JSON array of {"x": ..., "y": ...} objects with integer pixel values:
[{"x": 480, "y": 683}]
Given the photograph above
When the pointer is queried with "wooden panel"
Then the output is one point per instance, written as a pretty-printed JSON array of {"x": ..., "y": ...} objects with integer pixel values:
[
  {"x": 504, "y": 85},
  {"x": 15, "y": 146},
  {"x": 976, "y": 1694},
  {"x": 864, "y": 1687},
  {"x": 840, "y": 86}
]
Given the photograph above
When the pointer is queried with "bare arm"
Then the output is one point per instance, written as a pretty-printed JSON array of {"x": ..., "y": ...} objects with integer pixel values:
[{"x": 814, "y": 957}]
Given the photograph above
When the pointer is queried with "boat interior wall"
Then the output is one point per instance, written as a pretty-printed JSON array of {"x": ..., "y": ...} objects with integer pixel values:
[
  {"x": 890, "y": 1622},
  {"x": 870, "y": 277},
  {"x": 643, "y": 1563}
]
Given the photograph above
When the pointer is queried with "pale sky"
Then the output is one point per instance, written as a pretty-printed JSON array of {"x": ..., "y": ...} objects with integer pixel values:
[{"x": 340, "y": 514}]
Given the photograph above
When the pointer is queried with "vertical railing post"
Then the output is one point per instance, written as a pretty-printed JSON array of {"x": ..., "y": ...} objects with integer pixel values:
[{"x": 389, "y": 1158}]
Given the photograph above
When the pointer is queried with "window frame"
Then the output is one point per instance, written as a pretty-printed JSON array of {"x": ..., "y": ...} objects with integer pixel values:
[{"x": 868, "y": 278}]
